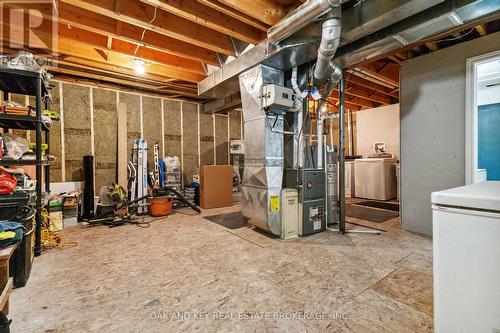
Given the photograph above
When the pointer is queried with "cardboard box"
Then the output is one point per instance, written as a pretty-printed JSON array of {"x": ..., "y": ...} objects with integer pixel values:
[{"x": 216, "y": 186}]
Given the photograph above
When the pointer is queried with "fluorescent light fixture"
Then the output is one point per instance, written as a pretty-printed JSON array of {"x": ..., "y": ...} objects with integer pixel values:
[{"x": 139, "y": 66}]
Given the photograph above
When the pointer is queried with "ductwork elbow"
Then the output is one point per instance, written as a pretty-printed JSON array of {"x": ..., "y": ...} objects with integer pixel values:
[
  {"x": 335, "y": 76},
  {"x": 330, "y": 39},
  {"x": 300, "y": 17}
]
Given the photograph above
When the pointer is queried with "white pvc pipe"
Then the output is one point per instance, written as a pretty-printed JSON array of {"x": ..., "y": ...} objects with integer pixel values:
[
  {"x": 319, "y": 137},
  {"x": 300, "y": 121}
]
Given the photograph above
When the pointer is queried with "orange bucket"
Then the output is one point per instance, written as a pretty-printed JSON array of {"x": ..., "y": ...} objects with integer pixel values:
[{"x": 160, "y": 206}]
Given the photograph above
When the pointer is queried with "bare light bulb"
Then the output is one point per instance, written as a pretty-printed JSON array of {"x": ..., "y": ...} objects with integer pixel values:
[{"x": 139, "y": 66}]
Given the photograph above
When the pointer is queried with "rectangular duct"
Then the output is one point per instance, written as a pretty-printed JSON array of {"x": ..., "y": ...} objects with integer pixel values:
[
  {"x": 264, "y": 160},
  {"x": 368, "y": 30}
]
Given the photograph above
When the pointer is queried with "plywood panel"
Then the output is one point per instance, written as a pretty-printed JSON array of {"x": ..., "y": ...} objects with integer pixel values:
[
  {"x": 206, "y": 139},
  {"x": 221, "y": 139},
  {"x": 190, "y": 137},
  {"x": 131, "y": 102},
  {"x": 76, "y": 129},
  {"x": 172, "y": 127},
  {"x": 105, "y": 137}
]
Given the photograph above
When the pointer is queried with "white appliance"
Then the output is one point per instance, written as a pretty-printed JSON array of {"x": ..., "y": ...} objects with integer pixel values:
[
  {"x": 349, "y": 178},
  {"x": 466, "y": 241},
  {"x": 290, "y": 213},
  {"x": 375, "y": 178}
]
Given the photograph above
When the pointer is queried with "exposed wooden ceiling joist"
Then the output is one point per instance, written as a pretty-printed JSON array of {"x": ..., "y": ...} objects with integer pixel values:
[
  {"x": 150, "y": 18},
  {"x": 348, "y": 105},
  {"x": 191, "y": 10},
  {"x": 235, "y": 14},
  {"x": 69, "y": 47},
  {"x": 133, "y": 51},
  {"x": 119, "y": 63},
  {"x": 368, "y": 94},
  {"x": 432, "y": 46},
  {"x": 482, "y": 30},
  {"x": 353, "y": 79},
  {"x": 384, "y": 70},
  {"x": 80, "y": 67},
  {"x": 81, "y": 78},
  {"x": 266, "y": 11},
  {"x": 90, "y": 21},
  {"x": 356, "y": 100},
  {"x": 124, "y": 74}
]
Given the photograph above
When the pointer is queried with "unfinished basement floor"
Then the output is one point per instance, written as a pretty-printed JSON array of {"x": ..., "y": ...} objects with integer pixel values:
[{"x": 131, "y": 279}]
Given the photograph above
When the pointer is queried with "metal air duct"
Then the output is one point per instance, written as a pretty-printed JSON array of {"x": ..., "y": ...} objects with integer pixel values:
[
  {"x": 264, "y": 157},
  {"x": 335, "y": 76},
  {"x": 299, "y": 18},
  {"x": 330, "y": 39},
  {"x": 373, "y": 29}
]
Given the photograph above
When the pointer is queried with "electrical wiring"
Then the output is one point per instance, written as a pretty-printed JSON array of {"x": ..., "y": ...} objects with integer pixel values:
[
  {"x": 50, "y": 238},
  {"x": 455, "y": 38}
]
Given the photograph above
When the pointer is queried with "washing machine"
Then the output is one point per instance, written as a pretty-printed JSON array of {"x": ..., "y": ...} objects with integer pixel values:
[{"x": 375, "y": 177}]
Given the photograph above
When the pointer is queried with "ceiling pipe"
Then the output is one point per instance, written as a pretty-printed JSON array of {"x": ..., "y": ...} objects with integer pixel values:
[
  {"x": 335, "y": 76},
  {"x": 299, "y": 18},
  {"x": 330, "y": 39}
]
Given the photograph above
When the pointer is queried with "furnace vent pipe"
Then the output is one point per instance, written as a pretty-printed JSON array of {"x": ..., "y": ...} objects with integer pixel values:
[
  {"x": 298, "y": 161},
  {"x": 330, "y": 39},
  {"x": 299, "y": 18},
  {"x": 335, "y": 76}
]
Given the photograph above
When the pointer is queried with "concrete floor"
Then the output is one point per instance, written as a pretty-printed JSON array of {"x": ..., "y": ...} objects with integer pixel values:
[{"x": 186, "y": 274}]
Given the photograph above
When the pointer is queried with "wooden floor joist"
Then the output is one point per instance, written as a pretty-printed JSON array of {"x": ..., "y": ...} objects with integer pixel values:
[
  {"x": 210, "y": 18},
  {"x": 231, "y": 12},
  {"x": 151, "y": 18}
]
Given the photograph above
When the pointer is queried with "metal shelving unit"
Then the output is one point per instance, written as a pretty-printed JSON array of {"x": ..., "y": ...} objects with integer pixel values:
[{"x": 34, "y": 84}]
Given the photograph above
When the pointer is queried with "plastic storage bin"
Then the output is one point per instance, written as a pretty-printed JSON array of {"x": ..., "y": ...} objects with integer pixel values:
[{"x": 20, "y": 207}]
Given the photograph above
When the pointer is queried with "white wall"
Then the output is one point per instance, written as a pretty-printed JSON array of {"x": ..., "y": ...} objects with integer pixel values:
[
  {"x": 487, "y": 96},
  {"x": 377, "y": 125}
]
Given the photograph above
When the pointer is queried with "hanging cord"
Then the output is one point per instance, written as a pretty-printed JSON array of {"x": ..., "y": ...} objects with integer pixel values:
[
  {"x": 50, "y": 238},
  {"x": 144, "y": 31}
]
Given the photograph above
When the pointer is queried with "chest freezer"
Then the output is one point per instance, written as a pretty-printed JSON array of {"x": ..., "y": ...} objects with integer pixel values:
[{"x": 466, "y": 255}]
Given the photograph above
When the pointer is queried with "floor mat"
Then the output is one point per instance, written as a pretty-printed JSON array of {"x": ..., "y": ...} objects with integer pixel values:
[
  {"x": 382, "y": 205},
  {"x": 232, "y": 220},
  {"x": 370, "y": 214}
]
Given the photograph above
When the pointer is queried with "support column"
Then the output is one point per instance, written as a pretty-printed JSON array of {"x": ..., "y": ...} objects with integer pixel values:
[{"x": 341, "y": 158}]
